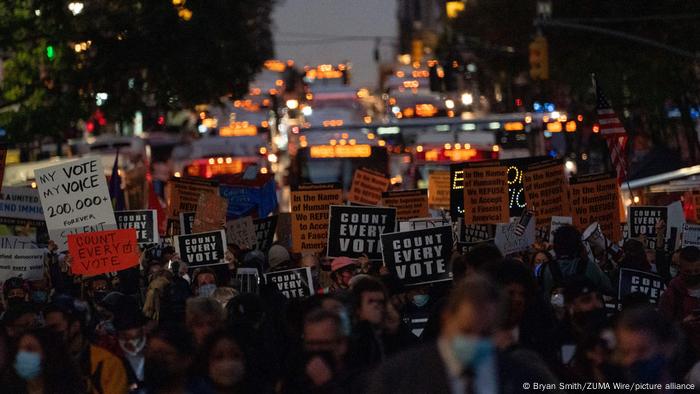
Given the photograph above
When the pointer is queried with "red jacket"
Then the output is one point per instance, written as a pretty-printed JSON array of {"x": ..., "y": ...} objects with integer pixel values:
[{"x": 675, "y": 304}]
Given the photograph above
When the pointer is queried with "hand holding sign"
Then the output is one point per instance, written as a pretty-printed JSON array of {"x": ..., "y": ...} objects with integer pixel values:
[{"x": 103, "y": 251}]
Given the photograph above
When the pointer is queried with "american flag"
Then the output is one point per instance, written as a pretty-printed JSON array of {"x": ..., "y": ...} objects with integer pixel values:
[{"x": 612, "y": 130}]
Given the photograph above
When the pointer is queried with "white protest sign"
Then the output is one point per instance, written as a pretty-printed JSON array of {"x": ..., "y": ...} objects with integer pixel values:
[
  {"x": 557, "y": 221},
  {"x": 24, "y": 263},
  {"x": 17, "y": 242},
  {"x": 691, "y": 235},
  {"x": 676, "y": 220},
  {"x": 507, "y": 242},
  {"x": 75, "y": 199},
  {"x": 20, "y": 203}
]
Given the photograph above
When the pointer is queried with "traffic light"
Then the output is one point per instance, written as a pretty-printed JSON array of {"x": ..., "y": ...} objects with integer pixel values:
[
  {"x": 539, "y": 59},
  {"x": 50, "y": 52}
]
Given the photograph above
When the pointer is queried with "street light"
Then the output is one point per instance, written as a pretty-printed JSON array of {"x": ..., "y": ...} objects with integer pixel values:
[
  {"x": 76, "y": 7},
  {"x": 292, "y": 104},
  {"x": 467, "y": 98}
]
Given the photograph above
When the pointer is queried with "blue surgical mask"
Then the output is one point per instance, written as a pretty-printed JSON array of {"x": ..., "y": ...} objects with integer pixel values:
[
  {"x": 472, "y": 351},
  {"x": 206, "y": 290},
  {"x": 420, "y": 300},
  {"x": 673, "y": 271},
  {"x": 39, "y": 296},
  {"x": 28, "y": 364}
]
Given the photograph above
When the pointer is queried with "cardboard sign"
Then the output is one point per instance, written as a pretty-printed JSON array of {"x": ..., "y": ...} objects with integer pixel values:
[
  {"x": 556, "y": 222},
  {"x": 642, "y": 221},
  {"x": 632, "y": 281},
  {"x": 75, "y": 199},
  {"x": 508, "y": 242},
  {"x": 3, "y": 157},
  {"x": 15, "y": 242},
  {"x": 310, "y": 205},
  {"x": 419, "y": 256},
  {"x": 100, "y": 252},
  {"x": 294, "y": 283},
  {"x": 439, "y": 189},
  {"x": 594, "y": 198},
  {"x": 145, "y": 223},
  {"x": 354, "y": 231},
  {"x": 210, "y": 214},
  {"x": 265, "y": 232},
  {"x": 27, "y": 264},
  {"x": 409, "y": 204},
  {"x": 241, "y": 232},
  {"x": 691, "y": 235},
  {"x": 201, "y": 249},
  {"x": 182, "y": 194},
  {"x": 186, "y": 222},
  {"x": 367, "y": 187},
  {"x": 545, "y": 190},
  {"x": 486, "y": 193}
]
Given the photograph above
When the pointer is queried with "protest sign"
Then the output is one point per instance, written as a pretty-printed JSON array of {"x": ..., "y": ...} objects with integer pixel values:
[
  {"x": 633, "y": 281},
  {"x": 17, "y": 242},
  {"x": 642, "y": 221},
  {"x": 409, "y": 204},
  {"x": 100, "y": 252},
  {"x": 241, "y": 232},
  {"x": 419, "y": 256},
  {"x": 75, "y": 199},
  {"x": 674, "y": 224},
  {"x": 367, "y": 186},
  {"x": 486, "y": 193},
  {"x": 422, "y": 223},
  {"x": 294, "y": 283},
  {"x": 143, "y": 221},
  {"x": 249, "y": 196},
  {"x": 310, "y": 215},
  {"x": 3, "y": 156},
  {"x": 508, "y": 242},
  {"x": 21, "y": 214},
  {"x": 354, "y": 231},
  {"x": 439, "y": 189},
  {"x": 201, "y": 249},
  {"x": 210, "y": 214},
  {"x": 27, "y": 264},
  {"x": 545, "y": 190},
  {"x": 265, "y": 232},
  {"x": 555, "y": 223},
  {"x": 186, "y": 222},
  {"x": 478, "y": 232},
  {"x": 182, "y": 194},
  {"x": 594, "y": 198},
  {"x": 691, "y": 235}
]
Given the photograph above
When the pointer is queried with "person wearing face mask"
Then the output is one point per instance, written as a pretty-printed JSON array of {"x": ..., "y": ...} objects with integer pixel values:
[
  {"x": 680, "y": 302},
  {"x": 40, "y": 366},
  {"x": 464, "y": 358},
  {"x": 203, "y": 282},
  {"x": 222, "y": 365},
  {"x": 417, "y": 309},
  {"x": 39, "y": 292},
  {"x": 131, "y": 336},
  {"x": 15, "y": 291},
  {"x": 342, "y": 271}
]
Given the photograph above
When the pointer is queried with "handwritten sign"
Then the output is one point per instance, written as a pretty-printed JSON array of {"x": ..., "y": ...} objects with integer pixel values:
[
  {"x": 210, "y": 214},
  {"x": 100, "y": 252},
  {"x": 27, "y": 264},
  {"x": 241, "y": 232},
  {"x": 486, "y": 193},
  {"x": 202, "y": 249},
  {"x": 265, "y": 232},
  {"x": 145, "y": 223},
  {"x": 439, "y": 189},
  {"x": 420, "y": 256},
  {"x": 294, "y": 283},
  {"x": 75, "y": 199},
  {"x": 508, "y": 242},
  {"x": 409, "y": 204},
  {"x": 545, "y": 190},
  {"x": 367, "y": 187},
  {"x": 594, "y": 198},
  {"x": 354, "y": 230},
  {"x": 310, "y": 215}
]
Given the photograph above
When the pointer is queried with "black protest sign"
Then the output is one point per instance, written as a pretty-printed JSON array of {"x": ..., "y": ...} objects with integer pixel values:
[
  {"x": 294, "y": 283},
  {"x": 143, "y": 221},
  {"x": 642, "y": 222},
  {"x": 186, "y": 222},
  {"x": 265, "y": 232},
  {"x": 419, "y": 256},
  {"x": 633, "y": 281},
  {"x": 202, "y": 248},
  {"x": 354, "y": 231}
]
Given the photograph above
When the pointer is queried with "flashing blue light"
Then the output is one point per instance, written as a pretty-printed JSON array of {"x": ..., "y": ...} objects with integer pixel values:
[
  {"x": 537, "y": 107},
  {"x": 552, "y": 153},
  {"x": 549, "y": 107},
  {"x": 694, "y": 113}
]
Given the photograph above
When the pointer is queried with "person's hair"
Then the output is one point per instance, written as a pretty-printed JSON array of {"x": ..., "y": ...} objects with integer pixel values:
[
  {"x": 176, "y": 336},
  {"x": 690, "y": 254},
  {"x": 479, "y": 259},
  {"x": 198, "y": 307},
  {"x": 60, "y": 373},
  {"x": 513, "y": 271},
  {"x": 534, "y": 254},
  {"x": 567, "y": 242},
  {"x": 645, "y": 318},
  {"x": 319, "y": 315},
  {"x": 224, "y": 294},
  {"x": 16, "y": 311},
  {"x": 367, "y": 284},
  {"x": 476, "y": 289}
]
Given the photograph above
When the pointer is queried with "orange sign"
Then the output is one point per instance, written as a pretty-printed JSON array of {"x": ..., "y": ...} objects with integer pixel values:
[
  {"x": 310, "y": 208},
  {"x": 439, "y": 189},
  {"x": 595, "y": 198},
  {"x": 340, "y": 151},
  {"x": 100, "y": 252},
  {"x": 545, "y": 191},
  {"x": 486, "y": 193},
  {"x": 367, "y": 187},
  {"x": 409, "y": 204}
]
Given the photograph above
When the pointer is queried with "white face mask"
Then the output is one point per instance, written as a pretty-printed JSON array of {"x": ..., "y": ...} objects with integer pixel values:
[{"x": 136, "y": 344}]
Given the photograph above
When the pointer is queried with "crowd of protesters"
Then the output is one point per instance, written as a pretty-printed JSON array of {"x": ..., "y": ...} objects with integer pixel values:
[{"x": 541, "y": 318}]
